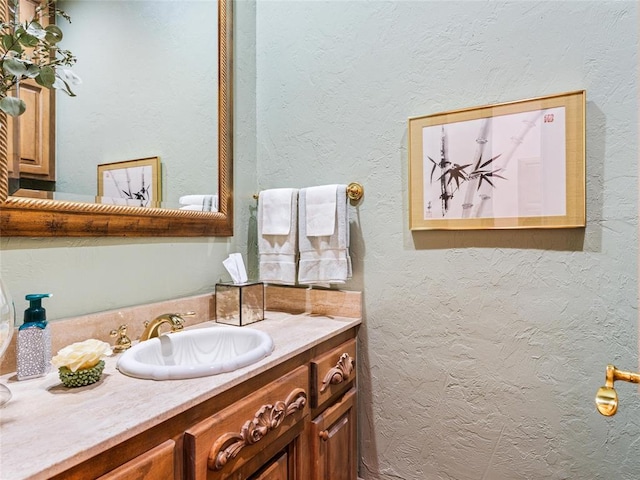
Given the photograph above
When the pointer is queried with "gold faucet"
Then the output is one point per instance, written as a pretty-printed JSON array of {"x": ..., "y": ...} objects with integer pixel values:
[{"x": 175, "y": 320}]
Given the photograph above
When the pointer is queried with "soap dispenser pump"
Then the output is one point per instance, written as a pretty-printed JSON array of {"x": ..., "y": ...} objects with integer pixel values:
[{"x": 34, "y": 340}]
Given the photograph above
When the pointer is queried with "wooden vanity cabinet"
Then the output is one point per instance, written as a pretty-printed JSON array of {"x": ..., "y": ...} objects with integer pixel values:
[
  {"x": 295, "y": 421},
  {"x": 333, "y": 430},
  {"x": 238, "y": 441}
]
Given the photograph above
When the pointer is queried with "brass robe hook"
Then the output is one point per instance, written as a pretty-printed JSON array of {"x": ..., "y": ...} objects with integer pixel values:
[{"x": 607, "y": 398}]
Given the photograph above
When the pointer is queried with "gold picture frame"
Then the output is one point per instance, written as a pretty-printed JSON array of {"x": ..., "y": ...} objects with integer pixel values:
[
  {"x": 510, "y": 165},
  {"x": 135, "y": 183}
]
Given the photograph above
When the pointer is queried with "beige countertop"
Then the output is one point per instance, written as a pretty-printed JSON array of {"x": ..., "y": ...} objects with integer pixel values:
[{"x": 47, "y": 428}]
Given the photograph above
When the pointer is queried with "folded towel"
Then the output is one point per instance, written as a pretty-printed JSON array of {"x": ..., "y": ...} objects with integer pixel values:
[
  {"x": 320, "y": 210},
  {"x": 276, "y": 211},
  {"x": 198, "y": 208},
  {"x": 277, "y": 253},
  {"x": 325, "y": 259},
  {"x": 208, "y": 203}
]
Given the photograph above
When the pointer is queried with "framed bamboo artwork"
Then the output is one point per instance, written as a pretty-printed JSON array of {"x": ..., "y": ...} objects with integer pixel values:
[
  {"x": 135, "y": 183},
  {"x": 510, "y": 165}
]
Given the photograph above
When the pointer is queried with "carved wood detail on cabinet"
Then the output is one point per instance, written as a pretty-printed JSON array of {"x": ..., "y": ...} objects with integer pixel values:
[
  {"x": 268, "y": 418},
  {"x": 332, "y": 373},
  {"x": 340, "y": 373}
]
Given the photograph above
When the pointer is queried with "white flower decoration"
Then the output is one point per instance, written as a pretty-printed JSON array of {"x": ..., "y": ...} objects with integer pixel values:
[{"x": 81, "y": 355}]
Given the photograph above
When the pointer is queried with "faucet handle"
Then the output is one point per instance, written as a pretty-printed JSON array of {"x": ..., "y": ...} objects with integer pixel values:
[
  {"x": 123, "y": 342},
  {"x": 178, "y": 320}
]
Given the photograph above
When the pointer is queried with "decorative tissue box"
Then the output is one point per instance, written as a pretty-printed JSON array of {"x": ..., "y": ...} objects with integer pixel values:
[{"x": 239, "y": 304}]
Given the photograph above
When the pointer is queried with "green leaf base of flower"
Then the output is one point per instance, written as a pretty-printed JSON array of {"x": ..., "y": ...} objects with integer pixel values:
[{"x": 81, "y": 378}]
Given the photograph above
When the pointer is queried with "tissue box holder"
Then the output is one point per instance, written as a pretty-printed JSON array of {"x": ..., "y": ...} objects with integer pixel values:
[{"x": 239, "y": 304}]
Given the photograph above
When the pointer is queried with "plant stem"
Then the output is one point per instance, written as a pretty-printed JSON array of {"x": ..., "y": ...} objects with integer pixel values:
[{"x": 444, "y": 190}]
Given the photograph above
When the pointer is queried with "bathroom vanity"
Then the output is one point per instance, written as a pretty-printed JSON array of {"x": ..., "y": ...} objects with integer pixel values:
[{"x": 291, "y": 415}]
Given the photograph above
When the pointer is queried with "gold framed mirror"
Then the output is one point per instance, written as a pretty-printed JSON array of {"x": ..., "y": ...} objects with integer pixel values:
[{"x": 31, "y": 217}]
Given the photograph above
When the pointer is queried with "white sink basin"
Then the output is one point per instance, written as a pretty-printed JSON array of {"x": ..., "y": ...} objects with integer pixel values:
[{"x": 196, "y": 353}]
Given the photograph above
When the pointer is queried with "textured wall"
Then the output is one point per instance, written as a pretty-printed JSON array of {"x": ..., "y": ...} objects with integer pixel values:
[{"x": 482, "y": 351}]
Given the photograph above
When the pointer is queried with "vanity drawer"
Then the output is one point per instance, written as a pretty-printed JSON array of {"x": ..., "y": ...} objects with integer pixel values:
[
  {"x": 333, "y": 372},
  {"x": 157, "y": 463},
  {"x": 245, "y": 435}
]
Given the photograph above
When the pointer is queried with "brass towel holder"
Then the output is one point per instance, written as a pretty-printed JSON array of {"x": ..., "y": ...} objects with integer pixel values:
[
  {"x": 607, "y": 398},
  {"x": 355, "y": 192}
]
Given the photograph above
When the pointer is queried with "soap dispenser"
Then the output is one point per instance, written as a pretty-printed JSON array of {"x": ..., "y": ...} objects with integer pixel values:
[{"x": 34, "y": 340}]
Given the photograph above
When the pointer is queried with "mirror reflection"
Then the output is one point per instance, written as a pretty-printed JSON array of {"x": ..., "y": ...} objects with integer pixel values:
[{"x": 149, "y": 74}]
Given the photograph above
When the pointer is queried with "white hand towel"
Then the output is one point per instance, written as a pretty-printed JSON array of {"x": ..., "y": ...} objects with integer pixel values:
[
  {"x": 276, "y": 209},
  {"x": 194, "y": 208},
  {"x": 195, "y": 199},
  {"x": 277, "y": 253},
  {"x": 325, "y": 259},
  {"x": 320, "y": 210},
  {"x": 207, "y": 203}
]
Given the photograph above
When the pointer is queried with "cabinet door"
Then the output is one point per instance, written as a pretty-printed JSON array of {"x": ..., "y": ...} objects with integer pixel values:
[
  {"x": 156, "y": 464},
  {"x": 238, "y": 440},
  {"x": 34, "y": 144},
  {"x": 278, "y": 469},
  {"x": 333, "y": 441}
]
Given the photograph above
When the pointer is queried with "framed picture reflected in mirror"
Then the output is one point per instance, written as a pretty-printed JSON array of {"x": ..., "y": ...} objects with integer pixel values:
[{"x": 135, "y": 183}]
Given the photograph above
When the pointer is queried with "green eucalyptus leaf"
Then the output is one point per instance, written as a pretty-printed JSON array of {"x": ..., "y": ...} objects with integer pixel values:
[
  {"x": 35, "y": 29},
  {"x": 14, "y": 67},
  {"x": 53, "y": 34},
  {"x": 28, "y": 40},
  {"x": 32, "y": 71},
  {"x": 11, "y": 44},
  {"x": 7, "y": 41},
  {"x": 47, "y": 77},
  {"x": 12, "y": 106}
]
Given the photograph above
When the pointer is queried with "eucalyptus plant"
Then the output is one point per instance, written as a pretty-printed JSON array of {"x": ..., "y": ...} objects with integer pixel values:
[{"x": 30, "y": 50}]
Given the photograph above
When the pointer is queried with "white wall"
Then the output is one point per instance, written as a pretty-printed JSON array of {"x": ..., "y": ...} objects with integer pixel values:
[{"x": 481, "y": 351}]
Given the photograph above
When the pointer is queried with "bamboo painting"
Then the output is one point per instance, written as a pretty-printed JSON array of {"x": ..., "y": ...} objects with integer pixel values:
[
  {"x": 133, "y": 183},
  {"x": 513, "y": 165}
]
